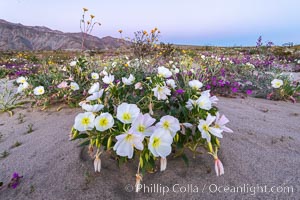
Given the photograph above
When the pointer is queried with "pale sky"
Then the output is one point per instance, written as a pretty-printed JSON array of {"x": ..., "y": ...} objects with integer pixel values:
[{"x": 197, "y": 22}]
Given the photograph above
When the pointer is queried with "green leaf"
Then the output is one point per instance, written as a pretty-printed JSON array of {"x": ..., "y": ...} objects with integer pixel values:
[
  {"x": 109, "y": 142},
  {"x": 141, "y": 162},
  {"x": 82, "y": 135},
  {"x": 185, "y": 159},
  {"x": 146, "y": 156},
  {"x": 87, "y": 142}
]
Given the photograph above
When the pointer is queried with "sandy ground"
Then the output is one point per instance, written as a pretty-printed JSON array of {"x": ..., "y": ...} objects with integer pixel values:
[{"x": 263, "y": 150}]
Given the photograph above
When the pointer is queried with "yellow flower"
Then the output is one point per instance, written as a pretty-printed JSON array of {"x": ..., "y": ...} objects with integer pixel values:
[
  {"x": 85, "y": 9},
  {"x": 92, "y": 16},
  {"x": 126, "y": 65},
  {"x": 145, "y": 32},
  {"x": 120, "y": 31}
]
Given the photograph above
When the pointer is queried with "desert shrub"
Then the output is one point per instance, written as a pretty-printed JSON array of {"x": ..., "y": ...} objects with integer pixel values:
[
  {"x": 167, "y": 50},
  {"x": 145, "y": 44}
]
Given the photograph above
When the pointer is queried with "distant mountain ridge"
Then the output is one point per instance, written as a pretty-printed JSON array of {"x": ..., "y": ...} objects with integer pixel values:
[{"x": 15, "y": 36}]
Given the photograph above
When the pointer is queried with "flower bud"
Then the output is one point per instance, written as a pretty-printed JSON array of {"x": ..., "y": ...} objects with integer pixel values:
[
  {"x": 150, "y": 108},
  {"x": 138, "y": 180},
  {"x": 163, "y": 164},
  {"x": 218, "y": 142},
  {"x": 209, "y": 146},
  {"x": 97, "y": 162}
]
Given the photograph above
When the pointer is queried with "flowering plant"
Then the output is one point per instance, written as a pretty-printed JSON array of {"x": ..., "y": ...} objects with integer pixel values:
[
  {"x": 58, "y": 84},
  {"x": 284, "y": 87},
  {"x": 148, "y": 115}
]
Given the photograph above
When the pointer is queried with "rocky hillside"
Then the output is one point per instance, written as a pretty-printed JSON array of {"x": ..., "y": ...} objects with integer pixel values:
[{"x": 19, "y": 37}]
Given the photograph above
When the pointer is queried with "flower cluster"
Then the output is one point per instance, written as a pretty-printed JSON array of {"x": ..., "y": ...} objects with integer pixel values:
[
  {"x": 284, "y": 87},
  {"x": 147, "y": 116}
]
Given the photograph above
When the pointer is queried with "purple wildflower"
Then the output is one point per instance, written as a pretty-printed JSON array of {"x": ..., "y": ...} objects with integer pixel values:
[
  {"x": 234, "y": 89},
  {"x": 259, "y": 42},
  {"x": 179, "y": 91},
  {"x": 15, "y": 175},
  {"x": 249, "y": 92},
  {"x": 15, "y": 180},
  {"x": 223, "y": 72}
]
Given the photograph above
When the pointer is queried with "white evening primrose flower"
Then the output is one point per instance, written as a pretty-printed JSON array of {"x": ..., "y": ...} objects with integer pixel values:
[
  {"x": 204, "y": 102},
  {"x": 195, "y": 84},
  {"x": 63, "y": 84},
  {"x": 220, "y": 123},
  {"x": 206, "y": 128},
  {"x": 164, "y": 72},
  {"x": 186, "y": 125},
  {"x": 74, "y": 86},
  {"x": 138, "y": 86},
  {"x": 190, "y": 104},
  {"x": 128, "y": 81},
  {"x": 160, "y": 143},
  {"x": 95, "y": 95},
  {"x": 114, "y": 64},
  {"x": 143, "y": 125},
  {"x": 64, "y": 69},
  {"x": 213, "y": 99},
  {"x": 95, "y": 76},
  {"x": 39, "y": 90},
  {"x": 95, "y": 88},
  {"x": 109, "y": 79},
  {"x": 169, "y": 124},
  {"x": 171, "y": 83},
  {"x": 127, "y": 142},
  {"x": 92, "y": 108},
  {"x": 21, "y": 79},
  {"x": 175, "y": 70},
  {"x": 161, "y": 92},
  {"x": 73, "y": 63},
  {"x": 277, "y": 83},
  {"x": 22, "y": 87},
  {"x": 103, "y": 73},
  {"x": 84, "y": 121},
  {"x": 104, "y": 121},
  {"x": 127, "y": 113}
]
